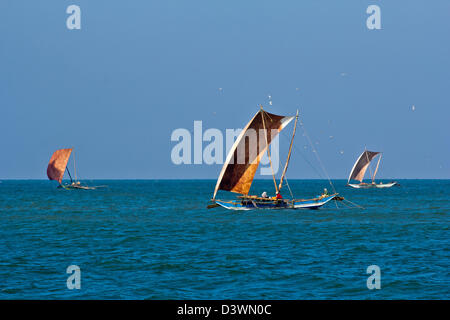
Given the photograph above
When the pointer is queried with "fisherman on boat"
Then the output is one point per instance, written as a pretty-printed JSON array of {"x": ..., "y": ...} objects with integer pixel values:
[
  {"x": 264, "y": 195},
  {"x": 279, "y": 196}
]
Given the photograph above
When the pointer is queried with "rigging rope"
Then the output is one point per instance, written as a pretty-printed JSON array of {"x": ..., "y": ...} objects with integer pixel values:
[
  {"x": 286, "y": 180},
  {"x": 290, "y": 191},
  {"x": 304, "y": 158},
  {"x": 317, "y": 156},
  {"x": 322, "y": 167},
  {"x": 356, "y": 205}
]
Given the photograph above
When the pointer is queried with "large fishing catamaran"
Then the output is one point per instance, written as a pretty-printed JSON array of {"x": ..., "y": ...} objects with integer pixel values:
[
  {"x": 243, "y": 159},
  {"x": 58, "y": 165},
  {"x": 359, "y": 170}
]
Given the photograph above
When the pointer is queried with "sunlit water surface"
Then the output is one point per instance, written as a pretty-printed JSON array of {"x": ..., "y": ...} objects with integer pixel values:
[{"x": 157, "y": 240}]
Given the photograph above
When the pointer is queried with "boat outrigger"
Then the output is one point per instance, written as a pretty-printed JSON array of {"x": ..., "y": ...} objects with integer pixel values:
[
  {"x": 243, "y": 159},
  {"x": 359, "y": 169},
  {"x": 58, "y": 165}
]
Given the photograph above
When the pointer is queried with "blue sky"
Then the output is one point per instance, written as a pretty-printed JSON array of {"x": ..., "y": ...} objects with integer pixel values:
[{"x": 137, "y": 70}]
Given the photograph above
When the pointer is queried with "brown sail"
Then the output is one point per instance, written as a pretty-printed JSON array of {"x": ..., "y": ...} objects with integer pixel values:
[
  {"x": 361, "y": 165},
  {"x": 57, "y": 164},
  {"x": 245, "y": 155}
]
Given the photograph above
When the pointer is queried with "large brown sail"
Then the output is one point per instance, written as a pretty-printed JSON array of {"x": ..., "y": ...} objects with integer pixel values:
[
  {"x": 57, "y": 164},
  {"x": 361, "y": 165},
  {"x": 244, "y": 157}
]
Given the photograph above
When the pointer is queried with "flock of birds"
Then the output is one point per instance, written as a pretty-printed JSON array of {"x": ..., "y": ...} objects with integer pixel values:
[{"x": 269, "y": 96}]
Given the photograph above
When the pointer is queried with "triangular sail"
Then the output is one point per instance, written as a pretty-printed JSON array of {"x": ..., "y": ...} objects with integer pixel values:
[
  {"x": 289, "y": 154},
  {"x": 361, "y": 165},
  {"x": 58, "y": 164},
  {"x": 243, "y": 159},
  {"x": 376, "y": 169}
]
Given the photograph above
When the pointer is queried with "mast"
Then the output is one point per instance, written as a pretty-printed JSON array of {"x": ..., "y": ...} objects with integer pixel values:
[
  {"x": 69, "y": 174},
  {"x": 376, "y": 169},
  {"x": 268, "y": 148},
  {"x": 74, "y": 166},
  {"x": 289, "y": 154}
]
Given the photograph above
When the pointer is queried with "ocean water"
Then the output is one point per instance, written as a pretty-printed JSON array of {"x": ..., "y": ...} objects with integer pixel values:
[{"x": 156, "y": 240}]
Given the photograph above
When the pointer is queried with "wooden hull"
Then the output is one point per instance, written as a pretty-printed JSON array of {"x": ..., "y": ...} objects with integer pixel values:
[
  {"x": 372, "y": 185},
  {"x": 270, "y": 203}
]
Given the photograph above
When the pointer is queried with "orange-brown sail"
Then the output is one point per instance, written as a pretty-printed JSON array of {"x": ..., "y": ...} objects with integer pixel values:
[
  {"x": 245, "y": 155},
  {"x": 57, "y": 164},
  {"x": 361, "y": 165}
]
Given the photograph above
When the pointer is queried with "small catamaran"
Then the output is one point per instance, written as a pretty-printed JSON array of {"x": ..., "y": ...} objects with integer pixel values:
[
  {"x": 359, "y": 169},
  {"x": 58, "y": 165},
  {"x": 243, "y": 159}
]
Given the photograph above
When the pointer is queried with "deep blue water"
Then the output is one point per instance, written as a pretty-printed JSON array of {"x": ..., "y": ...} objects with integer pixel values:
[{"x": 157, "y": 240}]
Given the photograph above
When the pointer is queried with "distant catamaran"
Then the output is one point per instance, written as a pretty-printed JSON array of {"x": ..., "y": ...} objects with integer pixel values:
[
  {"x": 58, "y": 164},
  {"x": 237, "y": 176},
  {"x": 360, "y": 168}
]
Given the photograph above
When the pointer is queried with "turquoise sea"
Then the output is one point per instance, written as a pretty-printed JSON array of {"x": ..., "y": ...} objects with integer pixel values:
[{"x": 149, "y": 239}]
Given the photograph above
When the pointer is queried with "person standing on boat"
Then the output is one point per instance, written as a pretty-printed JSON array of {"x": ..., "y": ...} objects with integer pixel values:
[
  {"x": 264, "y": 195},
  {"x": 279, "y": 196}
]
